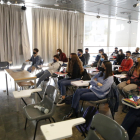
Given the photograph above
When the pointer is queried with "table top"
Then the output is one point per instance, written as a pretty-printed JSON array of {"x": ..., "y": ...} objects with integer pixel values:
[
  {"x": 137, "y": 107},
  {"x": 120, "y": 76},
  {"x": 25, "y": 93},
  {"x": 20, "y": 75},
  {"x": 92, "y": 69},
  {"x": 60, "y": 130},
  {"x": 60, "y": 73},
  {"x": 80, "y": 83}
]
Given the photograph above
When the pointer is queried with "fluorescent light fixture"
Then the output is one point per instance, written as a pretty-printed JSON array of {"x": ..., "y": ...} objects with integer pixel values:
[{"x": 56, "y": 4}]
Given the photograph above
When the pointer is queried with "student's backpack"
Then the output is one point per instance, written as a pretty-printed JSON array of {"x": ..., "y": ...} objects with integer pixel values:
[
  {"x": 88, "y": 115},
  {"x": 85, "y": 76}
]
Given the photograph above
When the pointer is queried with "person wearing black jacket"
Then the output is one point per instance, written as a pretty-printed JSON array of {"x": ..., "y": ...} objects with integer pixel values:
[
  {"x": 75, "y": 71},
  {"x": 115, "y": 52},
  {"x": 80, "y": 55},
  {"x": 120, "y": 57}
]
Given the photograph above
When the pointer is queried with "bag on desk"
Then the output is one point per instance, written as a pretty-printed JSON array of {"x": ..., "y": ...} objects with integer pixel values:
[
  {"x": 54, "y": 75},
  {"x": 85, "y": 76}
]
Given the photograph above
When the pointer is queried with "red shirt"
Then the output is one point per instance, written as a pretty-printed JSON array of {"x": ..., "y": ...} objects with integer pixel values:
[
  {"x": 63, "y": 57},
  {"x": 126, "y": 64}
]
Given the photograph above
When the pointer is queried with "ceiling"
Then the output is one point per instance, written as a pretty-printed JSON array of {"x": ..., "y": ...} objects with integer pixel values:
[{"x": 105, "y": 7}]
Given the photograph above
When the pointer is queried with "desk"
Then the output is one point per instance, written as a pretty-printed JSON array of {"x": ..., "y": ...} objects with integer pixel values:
[
  {"x": 60, "y": 130},
  {"x": 93, "y": 69},
  {"x": 61, "y": 74},
  {"x": 20, "y": 76},
  {"x": 80, "y": 83},
  {"x": 121, "y": 76}
]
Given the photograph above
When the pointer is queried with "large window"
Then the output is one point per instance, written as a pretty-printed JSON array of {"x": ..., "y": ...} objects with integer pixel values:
[{"x": 109, "y": 33}]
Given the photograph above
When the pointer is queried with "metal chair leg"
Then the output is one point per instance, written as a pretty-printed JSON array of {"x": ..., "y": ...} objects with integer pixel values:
[
  {"x": 35, "y": 130},
  {"x": 25, "y": 124},
  {"x": 53, "y": 119},
  {"x": 49, "y": 120}
]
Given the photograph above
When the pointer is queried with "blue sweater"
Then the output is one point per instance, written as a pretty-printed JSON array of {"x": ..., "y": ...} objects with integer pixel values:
[
  {"x": 101, "y": 91},
  {"x": 35, "y": 60}
]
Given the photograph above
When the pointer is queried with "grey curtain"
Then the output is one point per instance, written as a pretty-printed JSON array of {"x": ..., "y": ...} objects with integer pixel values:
[
  {"x": 13, "y": 34},
  {"x": 53, "y": 29}
]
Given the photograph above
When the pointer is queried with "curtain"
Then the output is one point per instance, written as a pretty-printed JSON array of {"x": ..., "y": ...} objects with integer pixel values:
[
  {"x": 12, "y": 34},
  {"x": 53, "y": 29}
]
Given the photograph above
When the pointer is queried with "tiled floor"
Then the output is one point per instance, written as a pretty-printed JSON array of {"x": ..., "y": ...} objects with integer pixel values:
[{"x": 12, "y": 123}]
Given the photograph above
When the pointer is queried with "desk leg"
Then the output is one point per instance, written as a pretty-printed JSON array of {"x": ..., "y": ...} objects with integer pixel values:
[
  {"x": 35, "y": 93},
  {"x": 6, "y": 84},
  {"x": 17, "y": 100}
]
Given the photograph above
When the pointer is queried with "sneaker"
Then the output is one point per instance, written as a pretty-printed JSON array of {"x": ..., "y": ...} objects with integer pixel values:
[
  {"x": 60, "y": 97},
  {"x": 61, "y": 102}
]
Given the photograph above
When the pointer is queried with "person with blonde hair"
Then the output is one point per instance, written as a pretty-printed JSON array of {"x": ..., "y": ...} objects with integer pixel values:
[
  {"x": 75, "y": 71},
  {"x": 133, "y": 80}
]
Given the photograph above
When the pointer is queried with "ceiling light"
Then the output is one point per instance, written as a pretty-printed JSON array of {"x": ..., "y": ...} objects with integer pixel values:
[
  {"x": 64, "y": 1},
  {"x": 56, "y": 4},
  {"x": 2, "y": 2},
  {"x": 8, "y": 2},
  {"x": 137, "y": 4}
]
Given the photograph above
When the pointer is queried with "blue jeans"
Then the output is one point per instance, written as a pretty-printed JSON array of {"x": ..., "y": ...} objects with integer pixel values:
[
  {"x": 85, "y": 95},
  {"x": 131, "y": 122},
  {"x": 42, "y": 76},
  {"x": 65, "y": 82}
]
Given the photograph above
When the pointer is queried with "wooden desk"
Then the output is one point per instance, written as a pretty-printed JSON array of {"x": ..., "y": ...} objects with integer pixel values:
[{"x": 20, "y": 76}]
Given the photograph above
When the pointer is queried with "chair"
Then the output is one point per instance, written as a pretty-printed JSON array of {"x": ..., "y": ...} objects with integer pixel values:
[
  {"x": 48, "y": 102},
  {"x": 4, "y": 65},
  {"x": 107, "y": 128}
]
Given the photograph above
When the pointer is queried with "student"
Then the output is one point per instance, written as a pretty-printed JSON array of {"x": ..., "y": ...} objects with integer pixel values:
[
  {"x": 80, "y": 55},
  {"x": 36, "y": 60},
  {"x": 101, "y": 84},
  {"x": 101, "y": 51},
  {"x": 62, "y": 56},
  {"x": 133, "y": 80},
  {"x": 87, "y": 56},
  {"x": 75, "y": 71},
  {"x": 136, "y": 51},
  {"x": 126, "y": 65},
  {"x": 120, "y": 57},
  {"x": 132, "y": 121},
  {"x": 52, "y": 67},
  {"x": 103, "y": 57},
  {"x": 115, "y": 53}
]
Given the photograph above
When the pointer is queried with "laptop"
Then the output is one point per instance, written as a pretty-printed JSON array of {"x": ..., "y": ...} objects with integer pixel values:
[{"x": 21, "y": 69}]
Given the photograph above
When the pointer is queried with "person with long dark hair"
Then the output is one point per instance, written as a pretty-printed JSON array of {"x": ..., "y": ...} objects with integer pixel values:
[
  {"x": 120, "y": 57},
  {"x": 75, "y": 71},
  {"x": 101, "y": 85},
  {"x": 62, "y": 56},
  {"x": 103, "y": 58}
]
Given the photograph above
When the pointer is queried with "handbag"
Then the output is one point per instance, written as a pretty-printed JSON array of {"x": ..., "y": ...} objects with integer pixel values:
[{"x": 85, "y": 76}]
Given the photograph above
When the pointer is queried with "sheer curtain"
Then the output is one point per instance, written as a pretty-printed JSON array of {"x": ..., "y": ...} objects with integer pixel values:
[
  {"x": 13, "y": 34},
  {"x": 54, "y": 29}
]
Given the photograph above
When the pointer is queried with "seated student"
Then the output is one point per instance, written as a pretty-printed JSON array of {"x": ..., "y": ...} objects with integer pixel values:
[
  {"x": 133, "y": 80},
  {"x": 101, "y": 51},
  {"x": 136, "y": 51},
  {"x": 132, "y": 121},
  {"x": 101, "y": 84},
  {"x": 75, "y": 71},
  {"x": 87, "y": 56},
  {"x": 52, "y": 67},
  {"x": 80, "y": 55},
  {"x": 120, "y": 57},
  {"x": 62, "y": 56},
  {"x": 115, "y": 53},
  {"x": 103, "y": 57},
  {"x": 36, "y": 60},
  {"x": 126, "y": 65}
]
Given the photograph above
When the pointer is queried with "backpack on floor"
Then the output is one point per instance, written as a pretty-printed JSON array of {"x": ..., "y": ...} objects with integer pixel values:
[{"x": 88, "y": 115}]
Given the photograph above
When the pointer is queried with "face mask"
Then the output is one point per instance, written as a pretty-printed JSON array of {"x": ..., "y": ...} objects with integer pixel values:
[
  {"x": 86, "y": 52},
  {"x": 102, "y": 59},
  {"x": 136, "y": 63},
  {"x": 119, "y": 52},
  {"x": 99, "y": 54},
  {"x": 126, "y": 57},
  {"x": 79, "y": 54},
  {"x": 58, "y": 52},
  {"x": 34, "y": 52},
  {"x": 54, "y": 60}
]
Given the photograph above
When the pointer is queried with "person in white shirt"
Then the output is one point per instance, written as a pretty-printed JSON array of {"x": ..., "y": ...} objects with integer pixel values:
[{"x": 52, "y": 68}]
